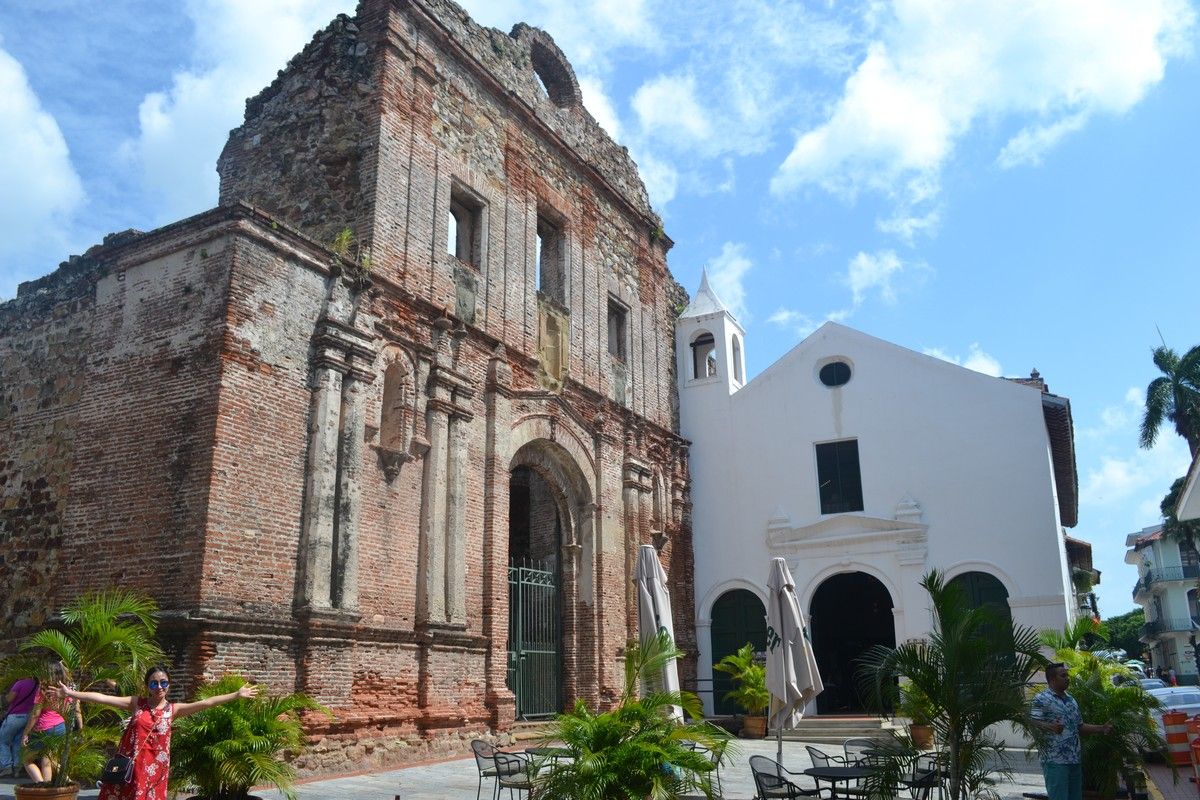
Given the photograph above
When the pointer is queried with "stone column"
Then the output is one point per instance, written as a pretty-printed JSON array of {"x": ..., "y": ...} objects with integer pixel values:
[
  {"x": 630, "y": 505},
  {"x": 498, "y": 402},
  {"x": 321, "y": 482},
  {"x": 432, "y": 573},
  {"x": 344, "y": 589},
  {"x": 456, "y": 501}
]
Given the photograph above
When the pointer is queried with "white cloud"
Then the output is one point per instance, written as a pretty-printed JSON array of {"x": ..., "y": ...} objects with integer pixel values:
[
  {"x": 42, "y": 187},
  {"x": 1138, "y": 477},
  {"x": 183, "y": 128},
  {"x": 976, "y": 359},
  {"x": 726, "y": 273},
  {"x": 587, "y": 32},
  {"x": 940, "y": 66},
  {"x": 596, "y": 100},
  {"x": 873, "y": 271},
  {"x": 1120, "y": 418},
  {"x": 1028, "y": 146},
  {"x": 667, "y": 107},
  {"x": 661, "y": 178}
]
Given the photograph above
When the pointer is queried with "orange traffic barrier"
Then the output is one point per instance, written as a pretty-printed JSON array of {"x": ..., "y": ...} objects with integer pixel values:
[
  {"x": 1193, "y": 728},
  {"x": 1196, "y": 761},
  {"x": 1175, "y": 723}
]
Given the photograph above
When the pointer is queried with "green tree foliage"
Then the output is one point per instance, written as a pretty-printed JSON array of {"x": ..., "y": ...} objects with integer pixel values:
[
  {"x": 1184, "y": 532},
  {"x": 638, "y": 749},
  {"x": 226, "y": 750},
  {"x": 1084, "y": 633},
  {"x": 1123, "y": 632},
  {"x": 1174, "y": 397},
  {"x": 970, "y": 683}
]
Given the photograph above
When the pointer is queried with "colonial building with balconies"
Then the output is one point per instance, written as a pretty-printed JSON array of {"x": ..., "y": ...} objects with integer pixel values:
[{"x": 1167, "y": 588}]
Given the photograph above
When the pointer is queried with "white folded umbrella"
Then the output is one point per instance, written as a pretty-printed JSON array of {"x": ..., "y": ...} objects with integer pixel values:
[
  {"x": 654, "y": 612},
  {"x": 792, "y": 675}
]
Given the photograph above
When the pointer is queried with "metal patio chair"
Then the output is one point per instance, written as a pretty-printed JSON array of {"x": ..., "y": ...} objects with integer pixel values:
[
  {"x": 513, "y": 772},
  {"x": 773, "y": 782},
  {"x": 485, "y": 762}
]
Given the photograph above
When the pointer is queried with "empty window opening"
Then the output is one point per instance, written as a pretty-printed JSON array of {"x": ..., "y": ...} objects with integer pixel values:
[
  {"x": 704, "y": 356},
  {"x": 839, "y": 479},
  {"x": 617, "y": 317},
  {"x": 737, "y": 360},
  {"x": 551, "y": 260},
  {"x": 464, "y": 228},
  {"x": 836, "y": 373}
]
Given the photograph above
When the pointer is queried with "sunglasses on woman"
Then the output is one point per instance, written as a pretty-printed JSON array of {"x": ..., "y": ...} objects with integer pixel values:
[{"x": 158, "y": 684}]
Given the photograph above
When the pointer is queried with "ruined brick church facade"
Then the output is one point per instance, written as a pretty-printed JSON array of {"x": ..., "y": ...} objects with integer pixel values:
[{"x": 426, "y": 335}]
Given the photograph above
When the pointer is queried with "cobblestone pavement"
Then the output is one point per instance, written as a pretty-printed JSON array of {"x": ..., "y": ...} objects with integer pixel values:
[{"x": 457, "y": 779}]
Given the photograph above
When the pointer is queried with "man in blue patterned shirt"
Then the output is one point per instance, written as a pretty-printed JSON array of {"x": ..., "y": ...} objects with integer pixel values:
[{"x": 1056, "y": 715}]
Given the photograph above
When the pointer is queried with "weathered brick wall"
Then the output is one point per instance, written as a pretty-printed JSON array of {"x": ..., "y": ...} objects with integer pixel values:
[
  {"x": 380, "y": 118},
  {"x": 110, "y": 379},
  {"x": 171, "y": 397},
  {"x": 305, "y": 158}
]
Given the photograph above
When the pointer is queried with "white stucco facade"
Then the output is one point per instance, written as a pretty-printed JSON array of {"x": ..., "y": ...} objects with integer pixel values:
[{"x": 957, "y": 473}]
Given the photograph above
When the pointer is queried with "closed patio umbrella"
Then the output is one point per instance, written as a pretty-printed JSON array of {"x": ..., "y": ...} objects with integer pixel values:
[
  {"x": 654, "y": 612},
  {"x": 792, "y": 676}
]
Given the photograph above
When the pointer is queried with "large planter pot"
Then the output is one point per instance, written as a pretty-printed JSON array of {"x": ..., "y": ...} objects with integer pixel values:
[
  {"x": 921, "y": 735},
  {"x": 28, "y": 792},
  {"x": 754, "y": 727}
]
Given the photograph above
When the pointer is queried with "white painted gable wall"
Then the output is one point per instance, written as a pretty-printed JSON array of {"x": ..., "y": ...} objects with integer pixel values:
[{"x": 970, "y": 450}]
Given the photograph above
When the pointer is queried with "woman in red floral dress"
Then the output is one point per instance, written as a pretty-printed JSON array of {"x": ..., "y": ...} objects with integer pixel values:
[{"x": 147, "y": 738}]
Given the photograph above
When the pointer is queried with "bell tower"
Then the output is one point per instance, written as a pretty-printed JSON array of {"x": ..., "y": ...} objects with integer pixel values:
[{"x": 711, "y": 362}]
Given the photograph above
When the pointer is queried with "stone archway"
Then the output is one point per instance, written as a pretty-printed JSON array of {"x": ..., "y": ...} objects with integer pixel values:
[
  {"x": 850, "y": 613},
  {"x": 549, "y": 548}
]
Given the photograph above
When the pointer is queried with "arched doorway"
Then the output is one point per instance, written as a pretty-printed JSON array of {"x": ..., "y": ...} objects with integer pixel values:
[
  {"x": 738, "y": 616},
  {"x": 849, "y": 614},
  {"x": 986, "y": 591},
  {"x": 549, "y": 518},
  {"x": 534, "y": 579}
]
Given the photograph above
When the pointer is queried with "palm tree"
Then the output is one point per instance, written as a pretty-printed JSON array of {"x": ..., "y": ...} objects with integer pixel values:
[
  {"x": 229, "y": 749},
  {"x": 972, "y": 684},
  {"x": 638, "y": 749},
  {"x": 1084, "y": 633},
  {"x": 1174, "y": 396}
]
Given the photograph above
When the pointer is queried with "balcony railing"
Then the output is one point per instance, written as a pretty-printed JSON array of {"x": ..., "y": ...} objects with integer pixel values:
[
  {"x": 1161, "y": 626},
  {"x": 1161, "y": 574}
]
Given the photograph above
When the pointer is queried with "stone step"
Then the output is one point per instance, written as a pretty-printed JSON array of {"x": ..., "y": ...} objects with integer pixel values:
[{"x": 526, "y": 730}]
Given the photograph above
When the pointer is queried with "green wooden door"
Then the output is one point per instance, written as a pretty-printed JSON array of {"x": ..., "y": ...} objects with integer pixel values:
[{"x": 738, "y": 617}]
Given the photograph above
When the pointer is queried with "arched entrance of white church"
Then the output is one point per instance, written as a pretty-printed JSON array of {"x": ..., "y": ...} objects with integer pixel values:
[
  {"x": 738, "y": 617},
  {"x": 548, "y": 506},
  {"x": 850, "y": 613}
]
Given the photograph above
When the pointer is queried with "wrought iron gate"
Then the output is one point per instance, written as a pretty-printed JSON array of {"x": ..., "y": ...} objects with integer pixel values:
[{"x": 534, "y": 639}]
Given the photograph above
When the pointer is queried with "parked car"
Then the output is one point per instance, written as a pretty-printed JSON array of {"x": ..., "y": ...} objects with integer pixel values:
[
  {"x": 1152, "y": 683},
  {"x": 1175, "y": 698}
]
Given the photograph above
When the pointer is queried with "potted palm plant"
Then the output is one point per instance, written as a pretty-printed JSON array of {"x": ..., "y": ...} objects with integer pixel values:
[
  {"x": 750, "y": 691},
  {"x": 224, "y": 752},
  {"x": 104, "y": 639},
  {"x": 637, "y": 749},
  {"x": 918, "y": 708},
  {"x": 973, "y": 668}
]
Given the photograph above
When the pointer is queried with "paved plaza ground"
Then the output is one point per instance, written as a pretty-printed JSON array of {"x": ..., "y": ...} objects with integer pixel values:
[{"x": 457, "y": 779}]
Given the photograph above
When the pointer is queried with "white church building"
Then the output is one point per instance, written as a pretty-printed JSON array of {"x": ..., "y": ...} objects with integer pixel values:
[{"x": 865, "y": 464}]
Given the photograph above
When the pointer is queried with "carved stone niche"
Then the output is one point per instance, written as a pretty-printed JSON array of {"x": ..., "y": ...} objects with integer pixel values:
[{"x": 397, "y": 414}]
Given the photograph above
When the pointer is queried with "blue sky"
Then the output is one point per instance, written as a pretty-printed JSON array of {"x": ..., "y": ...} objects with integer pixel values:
[{"x": 1007, "y": 184}]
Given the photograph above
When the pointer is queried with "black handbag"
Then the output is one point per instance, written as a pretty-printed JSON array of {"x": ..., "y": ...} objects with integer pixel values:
[{"x": 117, "y": 770}]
